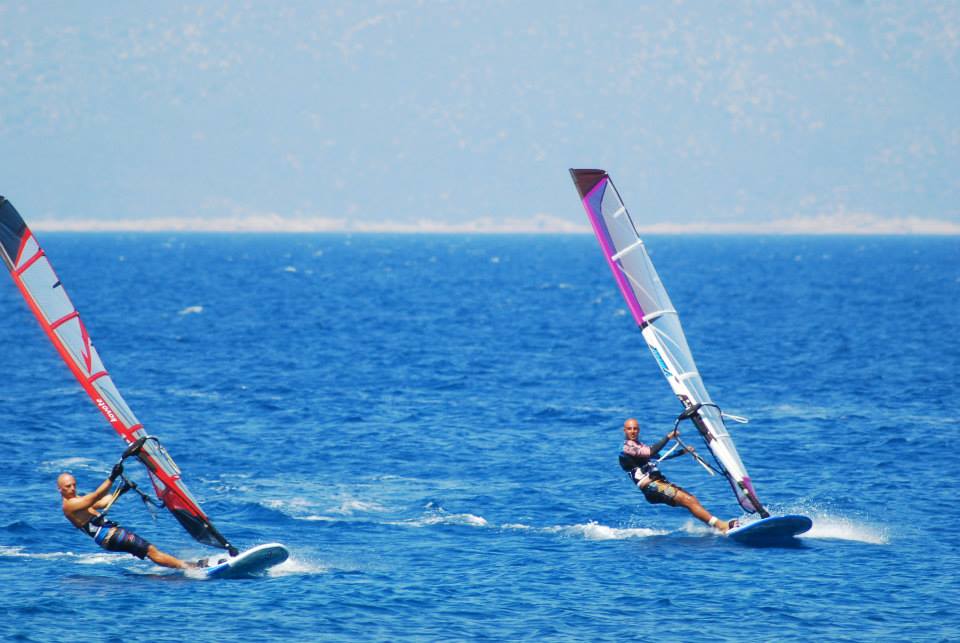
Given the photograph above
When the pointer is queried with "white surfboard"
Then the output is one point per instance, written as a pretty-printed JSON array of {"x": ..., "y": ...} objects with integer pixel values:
[{"x": 247, "y": 563}]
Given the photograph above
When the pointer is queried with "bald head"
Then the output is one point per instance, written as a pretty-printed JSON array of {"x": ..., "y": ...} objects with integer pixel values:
[
  {"x": 67, "y": 485},
  {"x": 631, "y": 428}
]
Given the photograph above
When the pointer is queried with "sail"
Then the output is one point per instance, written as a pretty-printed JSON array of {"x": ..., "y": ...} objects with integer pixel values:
[
  {"x": 46, "y": 297},
  {"x": 659, "y": 322}
]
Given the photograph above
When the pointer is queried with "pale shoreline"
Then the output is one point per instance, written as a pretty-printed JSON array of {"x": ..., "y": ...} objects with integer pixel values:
[{"x": 828, "y": 225}]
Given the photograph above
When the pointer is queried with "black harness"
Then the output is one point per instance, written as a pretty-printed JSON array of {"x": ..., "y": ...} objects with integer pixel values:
[{"x": 637, "y": 468}]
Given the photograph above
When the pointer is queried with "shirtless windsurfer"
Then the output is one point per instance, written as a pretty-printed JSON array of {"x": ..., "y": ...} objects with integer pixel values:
[{"x": 82, "y": 512}]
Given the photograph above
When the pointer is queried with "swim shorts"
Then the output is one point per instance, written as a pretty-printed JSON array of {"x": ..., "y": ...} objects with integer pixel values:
[
  {"x": 126, "y": 541},
  {"x": 661, "y": 492}
]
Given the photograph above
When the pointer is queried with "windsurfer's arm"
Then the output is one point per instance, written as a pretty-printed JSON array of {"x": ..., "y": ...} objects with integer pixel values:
[
  {"x": 662, "y": 442},
  {"x": 97, "y": 497},
  {"x": 79, "y": 503},
  {"x": 103, "y": 502},
  {"x": 636, "y": 449}
]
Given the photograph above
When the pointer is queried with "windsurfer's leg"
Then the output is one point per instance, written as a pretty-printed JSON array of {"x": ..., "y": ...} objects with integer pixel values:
[
  {"x": 699, "y": 512},
  {"x": 165, "y": 559}
]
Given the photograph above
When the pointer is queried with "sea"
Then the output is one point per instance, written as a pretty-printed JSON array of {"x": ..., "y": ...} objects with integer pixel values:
[{"x": 431, "y": 424}]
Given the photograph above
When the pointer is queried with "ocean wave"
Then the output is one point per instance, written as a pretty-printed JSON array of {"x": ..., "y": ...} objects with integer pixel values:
[
  {"x": 305, "y": 509},
  {"x": 350, "y": 506},
  {"x": 318, "y": 518}
]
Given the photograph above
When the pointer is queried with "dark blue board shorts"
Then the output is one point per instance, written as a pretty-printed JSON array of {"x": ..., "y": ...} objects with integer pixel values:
[{"x": 125, "y": 541}]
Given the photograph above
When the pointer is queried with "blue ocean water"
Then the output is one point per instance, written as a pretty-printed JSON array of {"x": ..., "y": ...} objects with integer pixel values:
[{"x": 431, "y": 424}]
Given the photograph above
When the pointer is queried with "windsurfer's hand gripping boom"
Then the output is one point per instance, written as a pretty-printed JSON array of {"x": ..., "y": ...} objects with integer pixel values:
[{"x": 131, "y": 451}]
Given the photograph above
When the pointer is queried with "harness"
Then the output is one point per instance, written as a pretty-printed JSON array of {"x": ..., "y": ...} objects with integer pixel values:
[
  {"x": 104, "y": 531},
  {"x": 640, "y": 469},
  {"x": 98, "y": 528}
]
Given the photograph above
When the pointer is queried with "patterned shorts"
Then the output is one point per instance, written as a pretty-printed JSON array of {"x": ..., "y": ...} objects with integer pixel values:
[{"x": 661, "y": 492}]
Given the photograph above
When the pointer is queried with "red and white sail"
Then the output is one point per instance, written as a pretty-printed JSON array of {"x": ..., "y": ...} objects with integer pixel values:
[{"x": 45, "y": 295}]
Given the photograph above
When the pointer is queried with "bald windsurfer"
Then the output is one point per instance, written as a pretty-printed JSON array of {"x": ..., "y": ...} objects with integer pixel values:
[
  {"x": 640, "y": 461},
  {"x": 82, "y": 512}
]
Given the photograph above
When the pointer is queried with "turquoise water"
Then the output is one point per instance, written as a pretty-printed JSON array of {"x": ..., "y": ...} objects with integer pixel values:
[{"x": 430, "y": 423}]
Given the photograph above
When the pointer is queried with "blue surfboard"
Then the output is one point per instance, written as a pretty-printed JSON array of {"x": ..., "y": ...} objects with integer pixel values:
[
  {"x": 247, "y": 563},
  {"x": 775, "y": 530}
]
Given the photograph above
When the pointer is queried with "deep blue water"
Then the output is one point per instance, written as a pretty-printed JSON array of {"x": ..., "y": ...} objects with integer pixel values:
[{"x": 431, "y": 424}]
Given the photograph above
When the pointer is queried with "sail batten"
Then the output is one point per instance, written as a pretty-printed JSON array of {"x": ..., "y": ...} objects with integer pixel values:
[
  {"x": 61, "y": 322},
  {"x": 658, "y": 320},
  {"x": 622, "y": 253}
]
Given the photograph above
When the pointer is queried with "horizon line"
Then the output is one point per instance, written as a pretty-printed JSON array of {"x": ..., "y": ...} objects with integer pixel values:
[{"x": 842, "y": 223}]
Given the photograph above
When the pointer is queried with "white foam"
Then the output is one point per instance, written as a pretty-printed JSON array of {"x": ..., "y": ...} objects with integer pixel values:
[
  {"x": 441, "y": 517},
  {"x": 295, "y": 565},
  {"x": 17, "y": 552},
  {"x": 304, "y": 509},
  {"x": 697, "y": 528},
  {"x": 99, "y": 559},
  {"x": 191, "y": 310},
  {"x": 290, "y": 269},
  {"x": 839, "y": 528},
  {"x": 595, "y": 531},
  {"x": 469, "y": 520},
  {"x": 195, "y": 574},
  {"x": 350, "y": 505},
  {"x": 287, "y": 504},
  {"x": 827, "y": 525}
]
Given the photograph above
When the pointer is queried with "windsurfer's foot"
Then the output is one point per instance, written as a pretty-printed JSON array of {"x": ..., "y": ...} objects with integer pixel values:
[
  {"x": 209, "y": 562},
  {"x": 723, "y": 526}
]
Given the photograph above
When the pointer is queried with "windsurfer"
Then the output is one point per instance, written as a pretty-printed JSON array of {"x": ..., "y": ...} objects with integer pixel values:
[
  {"x": 82, "y": 512},
  {"x": 640, "y": 462}
]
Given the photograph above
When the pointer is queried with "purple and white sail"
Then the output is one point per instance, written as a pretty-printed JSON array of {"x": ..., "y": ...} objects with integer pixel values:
[{"x": 659, "y": 322}]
